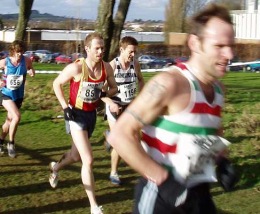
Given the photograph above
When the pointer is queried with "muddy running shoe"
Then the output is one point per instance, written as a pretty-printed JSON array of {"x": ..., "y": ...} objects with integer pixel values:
[
  {"x": 97, "y": 210},
  {"x": 11, "y": 149},
  {"x": 54, "y": 177},
  {"x": 114, "y": 178},
  {"x": 108, "y": 147}
]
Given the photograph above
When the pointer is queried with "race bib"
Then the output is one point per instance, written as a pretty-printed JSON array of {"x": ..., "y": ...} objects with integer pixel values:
[
  {"x": 90, "y": 91},
  {"x": 127, "y": 92},
  {"x": 13, "y": 82},
  {"x": 196, "y": 156}
]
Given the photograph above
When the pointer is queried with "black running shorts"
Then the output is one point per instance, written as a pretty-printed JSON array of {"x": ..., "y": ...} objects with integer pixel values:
[{"x": 83, "y": 120}]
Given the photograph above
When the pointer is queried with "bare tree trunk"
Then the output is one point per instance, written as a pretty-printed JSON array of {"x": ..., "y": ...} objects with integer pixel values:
[
  {"x": 119, "y": 21},
  {"x": 174, "y": 17},
  {"x": 24, "y": 16},
  {"x": 111, "y": 28},
  {"x": 105, "y": 24}
]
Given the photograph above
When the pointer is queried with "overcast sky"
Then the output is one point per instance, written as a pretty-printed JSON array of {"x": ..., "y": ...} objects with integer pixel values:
[{"x": 87, "y": 9}]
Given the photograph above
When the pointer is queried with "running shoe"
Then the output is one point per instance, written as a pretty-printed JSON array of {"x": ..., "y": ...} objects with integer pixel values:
[
  {"x": 115, "y": 179},
  {"x": 54, "y": 177},
  {"x": 1, "y": 149},
  {"x": 97, "y": 210},
  {"x": 11, "y": 149},
  {"x": 107, "y": 145}
]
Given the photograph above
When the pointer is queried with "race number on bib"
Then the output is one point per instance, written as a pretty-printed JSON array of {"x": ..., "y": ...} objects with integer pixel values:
[
  {"x": 196, "y": 156},
  {"x": 13, "y": 82},
  {"x": 127, "y": 92},
  {"x": 90, "y": 91}
]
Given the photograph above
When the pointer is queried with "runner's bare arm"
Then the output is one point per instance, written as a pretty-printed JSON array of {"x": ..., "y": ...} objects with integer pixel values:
[
  {"x": 139, "y": 76},
  {"x": 150, "y": 103},
  {"x": 29, "y": 67},
  {"x": 112, "y": 86},
  {"x": 2, "y": 64},
  {"x": 69, "y": 72}
]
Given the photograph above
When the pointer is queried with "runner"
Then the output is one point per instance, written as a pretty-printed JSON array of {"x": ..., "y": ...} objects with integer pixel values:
[
  {"x": 87, "y": 77},
  {"x": 179, "y": 113},
  {"x": 128, "y": 76},
  {"x": 12, "y": 85}
]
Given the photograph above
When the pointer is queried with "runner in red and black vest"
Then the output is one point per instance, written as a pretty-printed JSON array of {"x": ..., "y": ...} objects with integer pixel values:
[{"x": 86, "y": 77}]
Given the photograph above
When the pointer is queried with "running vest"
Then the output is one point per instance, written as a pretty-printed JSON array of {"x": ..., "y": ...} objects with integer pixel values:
[
  {"x": 15, "y": 79},
  {"x": 186, "y": 142},
  {"x": 126, "y": 82},
  {"x": 85, "y": 93}
]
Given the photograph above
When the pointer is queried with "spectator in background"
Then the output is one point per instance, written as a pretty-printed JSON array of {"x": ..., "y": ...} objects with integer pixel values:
[{"x": 12, "y": 84}]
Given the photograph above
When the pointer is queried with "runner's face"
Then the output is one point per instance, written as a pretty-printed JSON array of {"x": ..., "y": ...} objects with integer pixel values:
[
  {"x": 217, "y": 47},
  {"x": 96, "y": 50},
  {"x": 129, "y": 52},
  {"x": 17, "y": 55}
]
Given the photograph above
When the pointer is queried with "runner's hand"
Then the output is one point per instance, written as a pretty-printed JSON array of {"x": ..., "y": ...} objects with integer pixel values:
[
  {"x": 172, "y": 192},
  {"x": 68, "y": 114},
  {"x": 114, "y": 108},
  {"x": 227, "y": 176}
]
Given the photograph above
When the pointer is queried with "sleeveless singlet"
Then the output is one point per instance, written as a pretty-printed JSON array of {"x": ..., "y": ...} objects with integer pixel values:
[
  {"x": 126, "y": 82},
  {"x": 85, "y": 93},
  {"x": 15, "y": 79},
  {"x": 186, "y": 142}
]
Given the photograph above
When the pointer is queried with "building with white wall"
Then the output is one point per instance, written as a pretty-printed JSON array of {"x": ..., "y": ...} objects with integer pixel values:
[
  {"x": 79, "y": 35},
  {"x": 246, "y": 25},
  {"x": 252, "y": 5}
]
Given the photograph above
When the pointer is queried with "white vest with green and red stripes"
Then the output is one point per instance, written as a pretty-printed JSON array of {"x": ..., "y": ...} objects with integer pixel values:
[{"x": 186, "y": 142}]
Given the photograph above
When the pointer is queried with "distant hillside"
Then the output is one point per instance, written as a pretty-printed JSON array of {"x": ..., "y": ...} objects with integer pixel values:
[
  {"x": 36, "y": 16},
  {"x": 49, "y": 21}
]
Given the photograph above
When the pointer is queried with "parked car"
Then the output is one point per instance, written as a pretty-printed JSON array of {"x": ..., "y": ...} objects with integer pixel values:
[
  {"x": 159, "y": 63},
  {"x": 63, "y": 59},
  {"x": 235, "y": 65},
  {"x": 32, "y": 56},
  {"x": 253, "y": 66},
  {"x": 75, "y": 56},
  {"x": 45, "y": 56},
  {"x": 146, "y": 58},
  {"x": 181, "y": 59},
  {"x": 54, "y": 55}
]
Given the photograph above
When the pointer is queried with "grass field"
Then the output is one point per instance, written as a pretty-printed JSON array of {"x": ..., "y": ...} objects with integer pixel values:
[{"x": 41, "y": 138}]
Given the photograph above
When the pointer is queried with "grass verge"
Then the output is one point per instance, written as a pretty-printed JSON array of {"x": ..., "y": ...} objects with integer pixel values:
[{"x": 41, "y": 138}]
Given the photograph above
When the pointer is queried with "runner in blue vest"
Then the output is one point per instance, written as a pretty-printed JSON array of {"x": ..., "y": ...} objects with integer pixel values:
[{"x": 15, "y": 68}]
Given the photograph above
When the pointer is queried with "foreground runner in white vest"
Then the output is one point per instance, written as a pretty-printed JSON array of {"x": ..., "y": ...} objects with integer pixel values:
[{"x": 179, "y": 113}]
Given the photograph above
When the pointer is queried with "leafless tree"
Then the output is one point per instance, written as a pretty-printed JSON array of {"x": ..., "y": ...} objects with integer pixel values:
[
  {"x": 105, "y": 24},
  {"x": 119, "y": 21},
  {"x": 174, "y": 17},
  {"x": 110, "y": 27},
  {"x": 177, "y": 12},
  {"x": 25, "y": 7}
]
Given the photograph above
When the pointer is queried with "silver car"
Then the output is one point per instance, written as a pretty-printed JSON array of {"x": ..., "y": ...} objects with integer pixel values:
[{"x": 45, "y": 56}]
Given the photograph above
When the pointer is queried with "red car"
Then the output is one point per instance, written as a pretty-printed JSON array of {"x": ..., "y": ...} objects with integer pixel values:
[{"x": 63, "y": 59}]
